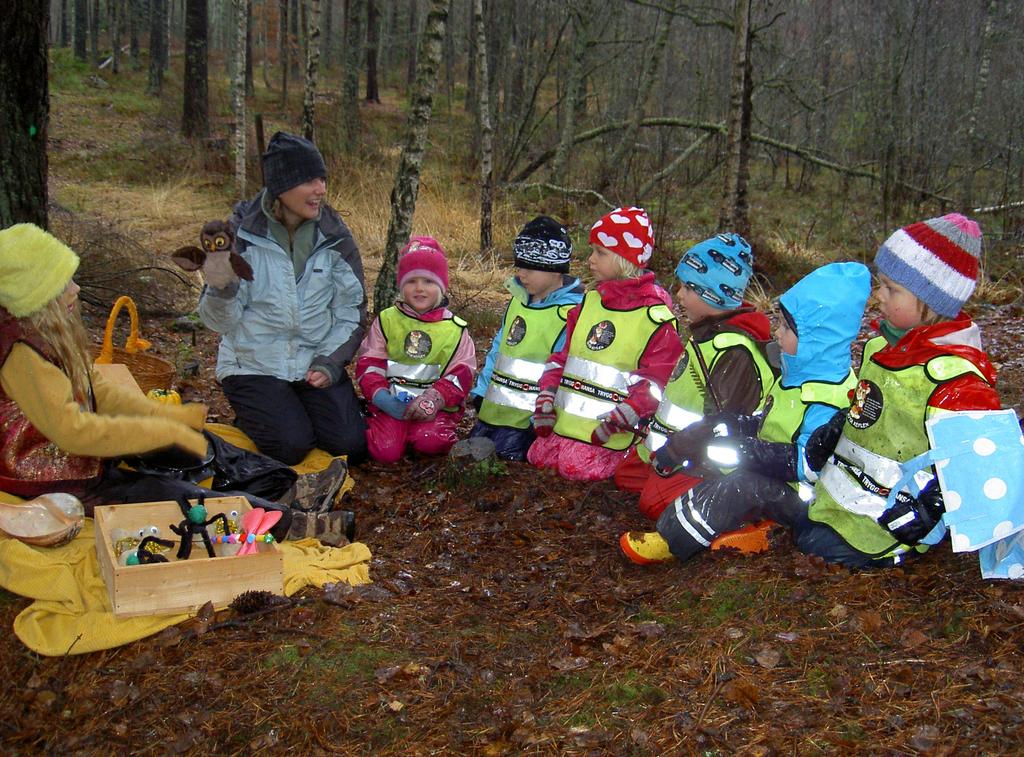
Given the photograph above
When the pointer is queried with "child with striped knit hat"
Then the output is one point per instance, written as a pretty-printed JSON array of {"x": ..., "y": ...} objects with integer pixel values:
[{"x": 927, "y": 360}]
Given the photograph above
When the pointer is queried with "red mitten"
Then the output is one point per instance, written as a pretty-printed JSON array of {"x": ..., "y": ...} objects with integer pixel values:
[
  {"x": 544, "y": 414},
  {"x": 622, "y": 419}
]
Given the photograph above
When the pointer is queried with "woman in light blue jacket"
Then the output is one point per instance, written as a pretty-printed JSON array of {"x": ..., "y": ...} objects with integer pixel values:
[{"x": 289, "y": 333}]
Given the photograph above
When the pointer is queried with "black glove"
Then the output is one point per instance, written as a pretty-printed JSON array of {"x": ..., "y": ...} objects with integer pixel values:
[
  {"x": 772, "y": 459},
  {"x": 477, "y": 401},
  {"x": 822, "y": 441},
  {"x": 910, "y": 519}
]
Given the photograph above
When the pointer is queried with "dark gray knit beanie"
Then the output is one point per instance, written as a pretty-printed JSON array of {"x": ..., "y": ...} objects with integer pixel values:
[
  {"x": 543, "y": 245},
  {"x": 290, "y": 161}
]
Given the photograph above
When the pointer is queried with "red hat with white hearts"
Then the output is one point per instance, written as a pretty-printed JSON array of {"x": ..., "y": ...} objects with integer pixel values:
[{"x": 626, "y": 232}]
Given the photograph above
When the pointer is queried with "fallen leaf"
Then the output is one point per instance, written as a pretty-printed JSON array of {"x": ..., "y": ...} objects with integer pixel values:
[
  {"x": 869, "y": 621},
  {"x": 913, "y": 638},
  {"x": 741, "y": 692},
  {"x": 924, "y": 738},
  {"x": 570, "y": 663},
  {"x": 768, "y": 657},
  {"x": 395, "y": 706}
]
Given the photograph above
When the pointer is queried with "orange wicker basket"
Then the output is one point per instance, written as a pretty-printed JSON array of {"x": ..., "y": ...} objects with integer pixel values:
[{"x": 149, "y": 371}]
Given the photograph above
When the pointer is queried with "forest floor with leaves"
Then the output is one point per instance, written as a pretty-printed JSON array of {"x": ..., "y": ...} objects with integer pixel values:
[{"x": 502, "y": 619}]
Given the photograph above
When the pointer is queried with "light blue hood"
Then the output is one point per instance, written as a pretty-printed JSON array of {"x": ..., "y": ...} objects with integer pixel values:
[{"x": 827, "y": 306}]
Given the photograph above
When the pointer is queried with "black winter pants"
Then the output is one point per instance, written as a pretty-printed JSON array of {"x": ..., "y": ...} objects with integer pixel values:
[
  {"x": 287, "y": 419},
  {"x": 716, "y": 506}
]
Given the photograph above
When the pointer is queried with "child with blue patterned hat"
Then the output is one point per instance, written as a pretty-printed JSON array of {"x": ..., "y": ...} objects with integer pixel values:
[{"x": 926, "y": 361}]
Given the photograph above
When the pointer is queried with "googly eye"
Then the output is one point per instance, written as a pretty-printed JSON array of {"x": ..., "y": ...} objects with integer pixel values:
[{"x": 148, "y": 531}]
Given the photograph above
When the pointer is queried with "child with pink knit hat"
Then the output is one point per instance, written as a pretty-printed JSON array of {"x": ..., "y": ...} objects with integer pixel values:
[
  {"x": 620, "y": 348},
  {"x": 416, "y": 364}
]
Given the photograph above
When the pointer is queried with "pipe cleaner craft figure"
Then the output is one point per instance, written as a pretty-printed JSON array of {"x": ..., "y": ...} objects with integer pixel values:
[
  {"x": 217, "y": 252},
  {"x": 255, "y": 525},
  {"x": 196, "y": 522}
]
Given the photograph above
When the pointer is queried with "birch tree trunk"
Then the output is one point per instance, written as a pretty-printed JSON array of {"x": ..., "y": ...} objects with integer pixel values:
[
  {"x": 733, "y": 214},
  {"x": 486, "y": 134},
  {"x": 312, "y": 68},
  {"x": 407, "y": 179},
  {"x": 238, "y": 93},
  {"x": 250, "y": 85},
  {"x": 24, "y": 112}
]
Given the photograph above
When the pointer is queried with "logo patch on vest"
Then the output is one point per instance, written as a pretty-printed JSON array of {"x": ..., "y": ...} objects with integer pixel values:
[
  {"x": 867, "y": 404},
  {"x": 680, "y": 366},
  {"x": 516, "y": 331},
  {"x": 417, "y": 344},
  {"x": 601, "y": 335}
]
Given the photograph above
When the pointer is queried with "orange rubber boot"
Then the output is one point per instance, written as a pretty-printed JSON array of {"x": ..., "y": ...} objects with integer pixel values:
[{"x": 748, "y": 540}]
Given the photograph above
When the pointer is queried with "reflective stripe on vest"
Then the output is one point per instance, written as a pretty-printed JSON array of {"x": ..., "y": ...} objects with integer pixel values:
[
  {"x": 891, "y": 409},
  {"x": 529, "y": 335},
  {"x": 604, "y": 354},
  {"x": 684, "y": 396},
  {"x": 418, "y": 351}
]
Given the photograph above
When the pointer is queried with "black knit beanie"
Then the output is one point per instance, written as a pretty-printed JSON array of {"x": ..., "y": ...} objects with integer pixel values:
[
  {"x": 290, "y": 161},
  {"x": 543, "y": 245}
]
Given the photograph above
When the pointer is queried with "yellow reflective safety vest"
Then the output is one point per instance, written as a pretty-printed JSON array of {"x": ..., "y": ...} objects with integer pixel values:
[
  {"x": 683, "y": 402},
  {"x": 528, "y": 339},
  {"x": 885, "y": 426},
  {"x": 604, "y": 353},
  {"x": 418, "y": 351}
]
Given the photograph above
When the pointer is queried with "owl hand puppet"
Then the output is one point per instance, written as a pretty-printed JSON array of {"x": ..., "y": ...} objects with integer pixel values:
[{"x": 221, "y": 266}]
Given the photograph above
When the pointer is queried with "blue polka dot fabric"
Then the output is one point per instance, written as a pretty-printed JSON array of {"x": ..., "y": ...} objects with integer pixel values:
[{"x": 979, "y": 459}]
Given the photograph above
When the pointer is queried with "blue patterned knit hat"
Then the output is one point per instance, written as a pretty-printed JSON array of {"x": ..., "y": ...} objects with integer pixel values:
[{"x": 718, "y": 270}]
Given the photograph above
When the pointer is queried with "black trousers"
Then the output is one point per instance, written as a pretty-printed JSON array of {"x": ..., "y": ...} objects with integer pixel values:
[
  {"x": 287, "y": 419},
  {"x": 716, "y": 506}
]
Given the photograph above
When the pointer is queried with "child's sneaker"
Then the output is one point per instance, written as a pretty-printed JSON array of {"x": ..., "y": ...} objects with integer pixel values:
[
  {"x": 645, "y": 548},
  {"x": 335, "y": 528}
]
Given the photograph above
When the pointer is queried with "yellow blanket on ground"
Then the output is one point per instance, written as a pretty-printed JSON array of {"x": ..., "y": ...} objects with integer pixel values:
[{"x": 71, "y": 613}]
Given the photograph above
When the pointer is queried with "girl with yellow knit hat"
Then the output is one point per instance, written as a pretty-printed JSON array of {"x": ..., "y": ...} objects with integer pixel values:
[{"x": 59, "y": 421}]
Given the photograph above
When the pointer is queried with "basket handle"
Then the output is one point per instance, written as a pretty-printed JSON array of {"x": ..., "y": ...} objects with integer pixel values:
[{"x": 134, "y": 343}]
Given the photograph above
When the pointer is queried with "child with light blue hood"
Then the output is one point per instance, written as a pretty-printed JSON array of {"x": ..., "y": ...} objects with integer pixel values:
[{"x": 819, "y": 317}]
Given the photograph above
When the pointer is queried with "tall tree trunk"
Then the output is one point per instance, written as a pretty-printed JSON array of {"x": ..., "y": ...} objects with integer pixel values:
[
  {"x": 65, "y": 29},
  {"x": 24, "y": 112},
  {"x": 410, "y": 69},
  {"x": 350, "y": 121},
  {"x": 372, "y": 47},
  {"x": 157, "y": 45},
  {"x": 312, "y": 66},
  {"x": 116, "y": 23},
  {"x": 94, "y": 33},
  {"x": 980, "y": 81},
  {"x": 250, "y": 85},
  {"x": 80, "y": 28},
  {"x": 617, "y": 163},
  {"x": 241, "y": 8},
  {"x": 326, "y": 32},
  {"x": 282, "y": 44},
  {"x": 571, "y": 98},
  {"x": 471, "y": 98},
  {"x": 293, "y": 40},
  {"x": 486, "y": 135},
  {"x": 733, "y": 214},
  {"x": 407, "y": 178},
  {"x": 135, "y": 22},
  {"x": 195, "y": 116}
]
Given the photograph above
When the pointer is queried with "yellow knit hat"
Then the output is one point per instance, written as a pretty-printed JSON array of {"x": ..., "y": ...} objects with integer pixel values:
[{"x": 34, "y": 268}]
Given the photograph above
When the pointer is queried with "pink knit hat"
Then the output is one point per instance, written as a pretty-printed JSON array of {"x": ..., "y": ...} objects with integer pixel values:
[
  {"x": 626, "y": 232},
  {"x": 423, "y": 256}
]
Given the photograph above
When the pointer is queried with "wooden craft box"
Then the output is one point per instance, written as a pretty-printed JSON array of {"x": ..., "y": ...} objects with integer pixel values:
[{"x": 180, "y": 586}]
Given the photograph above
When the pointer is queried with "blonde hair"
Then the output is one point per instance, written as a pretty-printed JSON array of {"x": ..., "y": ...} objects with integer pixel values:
[
  {"x": 64, "y": 332},
  {"x": 627, "y": 270}
]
